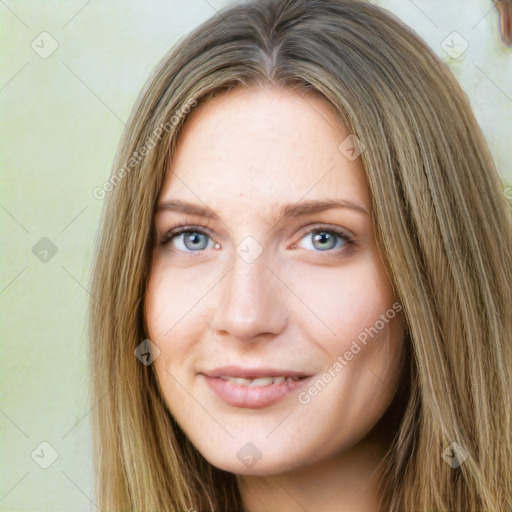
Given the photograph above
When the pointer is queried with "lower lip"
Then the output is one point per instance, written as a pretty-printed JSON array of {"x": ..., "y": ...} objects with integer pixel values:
[{"x": 255, "y": 397}]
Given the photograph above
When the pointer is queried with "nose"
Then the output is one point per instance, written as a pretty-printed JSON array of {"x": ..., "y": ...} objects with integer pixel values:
[{"x": 251, "y": 302}]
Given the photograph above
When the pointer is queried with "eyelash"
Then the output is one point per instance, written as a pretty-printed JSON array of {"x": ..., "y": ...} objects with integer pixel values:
[{"x": 181, "y": 228}]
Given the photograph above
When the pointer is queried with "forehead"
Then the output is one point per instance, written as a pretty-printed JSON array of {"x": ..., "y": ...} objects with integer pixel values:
[{"x": 263, "y": 146}]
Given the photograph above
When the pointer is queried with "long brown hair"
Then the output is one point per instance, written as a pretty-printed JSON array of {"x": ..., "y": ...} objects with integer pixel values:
[{"x": 443, "y": 227}]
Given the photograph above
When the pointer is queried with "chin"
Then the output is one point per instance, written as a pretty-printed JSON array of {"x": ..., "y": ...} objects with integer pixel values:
[{"x": 274, "y": 464}]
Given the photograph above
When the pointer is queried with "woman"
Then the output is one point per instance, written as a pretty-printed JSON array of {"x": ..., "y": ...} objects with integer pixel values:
[{"x": 302, "y": 287}]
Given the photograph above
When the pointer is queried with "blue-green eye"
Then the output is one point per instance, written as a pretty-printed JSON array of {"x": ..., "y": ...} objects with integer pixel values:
[
  {"x": 188, "y": 239},
  {"x": 197, "y": 239},
  {"x": 326, "y": 239}
]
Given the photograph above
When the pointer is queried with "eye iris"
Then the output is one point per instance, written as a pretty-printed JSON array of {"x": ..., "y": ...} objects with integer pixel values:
[
  {"x": 322, "y": 237},
  {"x": 194, "y": 236}
]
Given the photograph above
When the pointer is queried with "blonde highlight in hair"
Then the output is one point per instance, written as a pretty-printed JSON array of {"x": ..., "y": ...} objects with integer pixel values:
[{"x": 443, "y": 226}]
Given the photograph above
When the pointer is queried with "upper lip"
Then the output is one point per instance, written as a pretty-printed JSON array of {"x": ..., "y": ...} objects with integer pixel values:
[{"x": 255, "y": 372}]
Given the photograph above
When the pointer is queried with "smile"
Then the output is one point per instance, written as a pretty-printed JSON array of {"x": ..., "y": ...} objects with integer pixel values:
[
  {"x": 253, "y": 389},
  {"x": 259, "y": 381}
]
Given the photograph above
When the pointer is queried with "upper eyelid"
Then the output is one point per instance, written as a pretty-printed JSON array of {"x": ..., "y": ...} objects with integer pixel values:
[{"x": 339, "y": 230}]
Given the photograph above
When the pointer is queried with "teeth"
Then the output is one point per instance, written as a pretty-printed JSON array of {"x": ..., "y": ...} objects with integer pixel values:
[
  {"x": 242, "y": 382},
  {"x": 262, "y": 381},
  {"x": 259, "y": 381}
]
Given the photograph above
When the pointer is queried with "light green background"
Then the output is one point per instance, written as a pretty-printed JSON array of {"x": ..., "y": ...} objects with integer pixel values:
[{"x": 61, "y": 120}]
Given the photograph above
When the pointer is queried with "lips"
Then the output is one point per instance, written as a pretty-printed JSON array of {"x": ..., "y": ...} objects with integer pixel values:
[{"x": 253, "y": 388}]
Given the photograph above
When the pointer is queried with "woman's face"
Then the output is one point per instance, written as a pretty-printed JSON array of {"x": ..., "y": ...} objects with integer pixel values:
[{"x": 278, "y": 331}]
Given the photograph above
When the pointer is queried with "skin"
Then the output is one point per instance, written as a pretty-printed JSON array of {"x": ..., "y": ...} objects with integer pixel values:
[{"x": 298, "y": 306}]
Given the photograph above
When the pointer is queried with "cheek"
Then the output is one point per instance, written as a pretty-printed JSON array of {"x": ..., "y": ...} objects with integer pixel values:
[
  {"x": 176, "y": 318},
  {"x": 346, "y": 302},
  {"x": 362, "y": 334},
  {"x": 171, "y": 297},
  {"x": 166, "y": 309}
]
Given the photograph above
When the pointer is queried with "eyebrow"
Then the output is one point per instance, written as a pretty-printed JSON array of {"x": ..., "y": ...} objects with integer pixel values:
[{"x": 286, "y": 211}]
